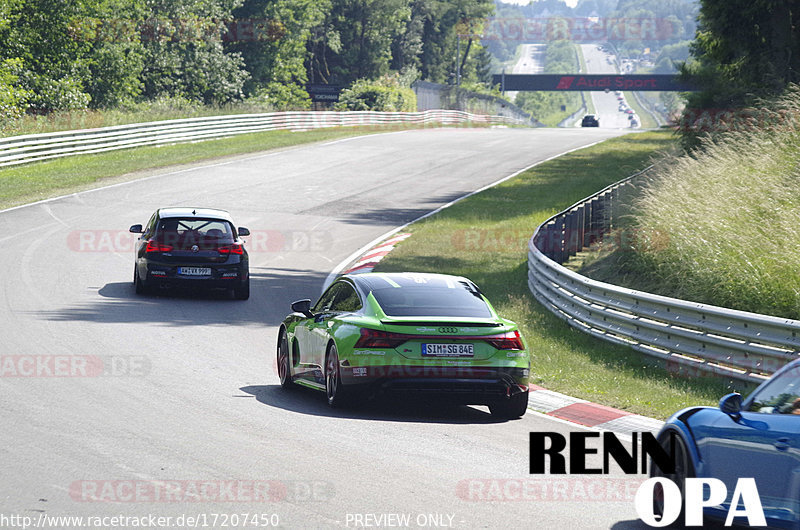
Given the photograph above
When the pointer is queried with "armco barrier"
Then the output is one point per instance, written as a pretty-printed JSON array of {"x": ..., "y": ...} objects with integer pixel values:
[
  {"x": 691, "y": 338},
  {"x": 34, "y": 147}
]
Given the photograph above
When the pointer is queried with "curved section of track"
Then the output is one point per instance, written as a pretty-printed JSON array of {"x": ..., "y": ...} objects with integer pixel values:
[{"x": 191, "y": 393}]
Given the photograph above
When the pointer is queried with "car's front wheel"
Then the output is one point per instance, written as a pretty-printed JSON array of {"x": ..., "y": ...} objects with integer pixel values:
[
  {"x": 683, "y": 470},
  {"x": 511, "y": 408},
  {"x": 335, "y": 391},
  {"x": 284, "y": 371}
]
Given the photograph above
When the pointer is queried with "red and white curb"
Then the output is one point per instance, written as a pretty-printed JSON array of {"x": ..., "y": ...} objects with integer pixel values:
[
  {"x": 374, "y": 255},
  {"x": 587, "y": 413}
]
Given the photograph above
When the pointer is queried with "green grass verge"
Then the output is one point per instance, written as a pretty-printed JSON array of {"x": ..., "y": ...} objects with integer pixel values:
[
  {"x": 51, "y": 178},
  {"x": 485, "y": 238}
]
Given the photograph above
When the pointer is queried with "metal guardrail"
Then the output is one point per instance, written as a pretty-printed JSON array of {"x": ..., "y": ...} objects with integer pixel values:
[
  {"x": 691, "y": 338},
  {"x": 34, "y": 147}
]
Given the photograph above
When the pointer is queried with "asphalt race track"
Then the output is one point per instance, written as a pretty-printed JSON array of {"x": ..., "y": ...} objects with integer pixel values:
[{"x": 170, "y": 405}]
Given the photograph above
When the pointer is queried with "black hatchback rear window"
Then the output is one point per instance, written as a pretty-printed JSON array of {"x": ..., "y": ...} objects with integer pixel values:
[{"x": 430, "y": 301}]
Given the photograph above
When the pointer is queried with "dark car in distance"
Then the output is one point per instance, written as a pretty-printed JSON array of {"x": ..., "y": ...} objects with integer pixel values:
[
  {"x": 590, "y": 120},
  {"x": 198, "y": 247}
]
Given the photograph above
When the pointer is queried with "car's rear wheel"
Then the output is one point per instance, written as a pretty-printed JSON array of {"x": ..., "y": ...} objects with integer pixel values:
[
  {"x": 284, "y": 371},
  {"x": 511, "y": 408},
  {"x": 139, "y": 285},
  {"x": 683, "y": 470},
  {"x": 335, "y": 391},
  {"x": 243, "y": 291}
]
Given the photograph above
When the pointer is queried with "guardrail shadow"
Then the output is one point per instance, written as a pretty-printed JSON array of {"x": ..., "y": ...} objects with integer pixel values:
[
  {"x": 386, "y": 408},
  {"x": 271, "y": 293}
]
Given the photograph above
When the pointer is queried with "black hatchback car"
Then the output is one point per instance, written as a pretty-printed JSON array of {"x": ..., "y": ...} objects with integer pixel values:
[
  {"x": 590, "y": 120},
  {"x": 192, "y": 247}
]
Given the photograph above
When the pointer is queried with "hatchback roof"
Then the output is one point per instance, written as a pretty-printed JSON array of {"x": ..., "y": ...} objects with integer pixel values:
[{"x": 205, "y": 213}]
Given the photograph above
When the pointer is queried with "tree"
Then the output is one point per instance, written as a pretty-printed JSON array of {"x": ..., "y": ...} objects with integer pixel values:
[
  {"x": 745, "y": 49},
  {"x": 275, "y": 55},
  {"x": 184, "y": 54},
  {"x": 355, "y": 40}
]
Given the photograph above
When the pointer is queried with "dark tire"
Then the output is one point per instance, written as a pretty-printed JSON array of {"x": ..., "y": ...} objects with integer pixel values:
[
  {"x": 243, "y": 291},
  {"x": 683, "y": 470},
  {"x": 511, "y": 408},
  {"x": 139, "y": 285},
  {"x": 284, "y": 369},
  {"x": 334, "y": 390}
]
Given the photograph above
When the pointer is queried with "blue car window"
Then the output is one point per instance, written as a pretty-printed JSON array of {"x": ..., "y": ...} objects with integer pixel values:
[{"x": 779, "y": 396}]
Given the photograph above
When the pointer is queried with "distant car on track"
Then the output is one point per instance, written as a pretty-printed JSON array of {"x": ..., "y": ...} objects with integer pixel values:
[
  {"x": 430, "y": 335},
  {"x": 758, "y": 438},
  {"x": 590, "y": 120},
  {"x": 191, "y": 247}
]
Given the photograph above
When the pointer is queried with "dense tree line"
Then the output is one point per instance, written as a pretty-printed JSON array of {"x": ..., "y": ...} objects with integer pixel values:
[{"x": 57, "y": 55}]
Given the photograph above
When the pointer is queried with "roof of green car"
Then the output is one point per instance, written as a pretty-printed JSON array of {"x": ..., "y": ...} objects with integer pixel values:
[{"x": 382, "y": 280}]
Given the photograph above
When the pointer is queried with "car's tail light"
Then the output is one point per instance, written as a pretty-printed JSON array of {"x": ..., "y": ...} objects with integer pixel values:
[
  {"x": 506, "y": 341},
  {"x": 235, "y": 248},
  {"x": 373, "y": 338},
  {"x": 155, "y": 246}
]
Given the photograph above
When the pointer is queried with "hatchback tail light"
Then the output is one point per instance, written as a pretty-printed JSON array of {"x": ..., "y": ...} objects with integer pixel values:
[
  {"x": 235, "y": 248},
  {"x": 155, "y": 246}
]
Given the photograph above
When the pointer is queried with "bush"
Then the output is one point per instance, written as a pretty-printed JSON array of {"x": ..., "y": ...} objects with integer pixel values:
[
  {"x": 48, "y": 95},
  {"x": 13, "y": 98},
  {"x": 386, "y": 94}
]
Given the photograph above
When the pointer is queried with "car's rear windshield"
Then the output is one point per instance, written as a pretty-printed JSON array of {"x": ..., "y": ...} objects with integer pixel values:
[
  {"x": 193, "y": 228},
  {"x": 429, "y": 301}
]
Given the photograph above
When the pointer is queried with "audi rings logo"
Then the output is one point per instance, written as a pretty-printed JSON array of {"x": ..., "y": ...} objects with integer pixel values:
[{"x": 448, "y": 330}]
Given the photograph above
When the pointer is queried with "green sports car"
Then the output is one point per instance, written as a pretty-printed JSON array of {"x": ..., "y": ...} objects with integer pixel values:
[{"x": 427, "y": 334}]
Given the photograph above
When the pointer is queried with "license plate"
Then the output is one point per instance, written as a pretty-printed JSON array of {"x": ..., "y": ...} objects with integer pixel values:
[
  {"x": 448, "y": 350},
  {"x": 194, "y": 271}
]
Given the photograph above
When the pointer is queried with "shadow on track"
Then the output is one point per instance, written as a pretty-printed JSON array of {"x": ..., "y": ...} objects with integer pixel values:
[
  {"x": 271, "y": 293},
  {"x": 308, "y": 401}
]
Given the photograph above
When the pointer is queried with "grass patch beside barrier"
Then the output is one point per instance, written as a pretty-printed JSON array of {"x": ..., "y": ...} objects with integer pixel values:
[
  {"x": 51, "y": 178},
  {"x": 485, "y": 239}
]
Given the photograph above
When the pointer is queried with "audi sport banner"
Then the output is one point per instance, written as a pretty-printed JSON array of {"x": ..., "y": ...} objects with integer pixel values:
[{"x": 591, "y": 82}]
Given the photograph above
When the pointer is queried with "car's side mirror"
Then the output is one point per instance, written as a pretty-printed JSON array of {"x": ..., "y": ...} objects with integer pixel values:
[
  {"x": 135, "y": 229},
  {"x": 243, "y": 231},
  {"x": 303, "y": 306},
  {"x": 731, "y": 405}
]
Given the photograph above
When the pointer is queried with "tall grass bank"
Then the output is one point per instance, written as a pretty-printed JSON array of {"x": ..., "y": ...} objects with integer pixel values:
[{"x": 722, "y": 225}]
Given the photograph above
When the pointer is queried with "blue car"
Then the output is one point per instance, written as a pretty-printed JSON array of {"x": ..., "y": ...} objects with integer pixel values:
[{"x": 758, "y": 437}]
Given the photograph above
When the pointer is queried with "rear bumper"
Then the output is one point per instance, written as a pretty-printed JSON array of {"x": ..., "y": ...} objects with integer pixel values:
[
  {"x": 222, "y": 276},
  {"x": 471, "y": 385}
]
